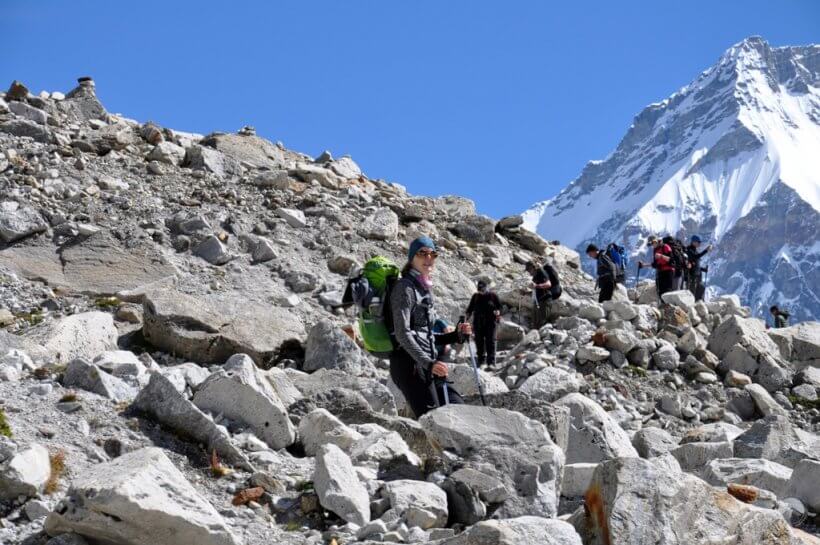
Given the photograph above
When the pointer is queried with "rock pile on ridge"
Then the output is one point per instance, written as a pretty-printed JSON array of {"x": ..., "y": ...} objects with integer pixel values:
[{"x": 175, "y": 368}]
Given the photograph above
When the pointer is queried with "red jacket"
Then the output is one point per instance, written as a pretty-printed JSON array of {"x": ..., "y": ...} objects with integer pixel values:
[{"x": 661, "y": 265}]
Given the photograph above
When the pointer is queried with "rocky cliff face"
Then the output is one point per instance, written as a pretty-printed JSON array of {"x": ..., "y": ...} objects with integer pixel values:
[
  {"x": 175, "y": 368},
  {"x": 731, "y": 157}
]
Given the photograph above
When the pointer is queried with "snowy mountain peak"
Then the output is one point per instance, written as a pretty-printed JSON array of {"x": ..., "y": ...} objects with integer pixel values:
[{"x": 740, "y": 139}]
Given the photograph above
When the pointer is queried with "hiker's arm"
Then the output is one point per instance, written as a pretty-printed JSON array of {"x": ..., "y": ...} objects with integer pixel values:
[
  {"x": 402, "y": 299},
  {"x": 704, "y": 252},
  {"x": 470, "y": 307},
  {"x": 448, "y": 338}
]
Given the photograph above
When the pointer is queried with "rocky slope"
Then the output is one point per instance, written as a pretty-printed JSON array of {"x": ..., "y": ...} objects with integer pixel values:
[
  {"x": 732, "y": 157},
  {"x": 174, "y": 367}
]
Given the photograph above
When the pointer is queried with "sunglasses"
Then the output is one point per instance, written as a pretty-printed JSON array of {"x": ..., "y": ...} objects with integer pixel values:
[{"x": 424, "y": 254}]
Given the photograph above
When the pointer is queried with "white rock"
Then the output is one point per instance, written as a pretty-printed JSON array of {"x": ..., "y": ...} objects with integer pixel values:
[
  {"x": 18, "y": 221},
  {"x": 594, "y": 435},
  {"x": 550, "y": 384},
  {"x": 752, "y": 471},
  {"x": 319, "y": 427},
  {"x": 87, "y": 376},
  {"x": 24, "y": 473},
  {"x": 576, "y": 479},
  {"x": 412, "y": 498},
  {"x": 763, "y": 401},
  {"x": 338, "y": 487},
  {"x": 167, "y": 152},
  {"x": 682, "y": 298},
  {"x": 295, "y": 218},
  {"x": 84, "y": 335},
  {"x": 463, "y": 378},
  {"x": 121, "y": 363},
  {"x": 805, "y": 483},
  {"x": 241, "y": 392},
  {"x": 383, "y": 224},
  {"x": 139, "y": 498},
  {"x": 379, "y": 446},
  {"x": 526, "y": 530},
  {"x": 591, "y": 353}
]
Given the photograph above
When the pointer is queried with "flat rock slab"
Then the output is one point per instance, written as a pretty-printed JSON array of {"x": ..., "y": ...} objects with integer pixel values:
[
  {"x": 518, "y": 531},
  {"x": 140, "y": 498},
  {"x": 98, "y": 265},
  {"x": 84, "y": 335},
  {"x": 210, "y": 329}
]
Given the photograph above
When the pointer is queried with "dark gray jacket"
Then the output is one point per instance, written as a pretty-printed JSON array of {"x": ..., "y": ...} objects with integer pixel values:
[
  {"x": 413, "y": 318},
  {"x": 605, "y": 266}
]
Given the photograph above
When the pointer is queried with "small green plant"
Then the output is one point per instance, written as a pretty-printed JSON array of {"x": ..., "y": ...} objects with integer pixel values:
[
  {"x": 107, "y": 303},
  {"x": 635, "y": 370},
  {"x": 5, "y": 429},
  {"x": 292, "y": 526},
  {"x": 57, "y": 463},
  {"x": 33, "y": 318},
  {"x": 304, "y": 486},
  {"x": 807, "y": 404}
]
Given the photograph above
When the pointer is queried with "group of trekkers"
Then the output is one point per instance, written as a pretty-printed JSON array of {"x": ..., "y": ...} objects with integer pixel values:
[
  {"x": 397, "y": 318},
  {"x": 676, "y": 266}
]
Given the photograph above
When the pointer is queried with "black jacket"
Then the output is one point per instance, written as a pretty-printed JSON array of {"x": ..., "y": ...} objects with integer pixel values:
[
  {"x": 693, "y": 255},
  {"x": 605, "y": 267},
  {"x": 542, "y": 274},
  {"x": 483, "y": 306}
]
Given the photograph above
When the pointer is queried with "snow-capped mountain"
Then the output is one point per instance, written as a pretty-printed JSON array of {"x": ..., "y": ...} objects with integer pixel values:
[{"x": 734, "y": 157}]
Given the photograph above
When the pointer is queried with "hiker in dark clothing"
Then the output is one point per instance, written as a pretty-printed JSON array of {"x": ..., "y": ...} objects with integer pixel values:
[
  {"x": 694, "y": 279},
  {"x": 662, "y": 263},
  {"x": 781, "y": 317},
  {"x": 606, "y": 270},
  {"x": 546, "y": 287},
  {"x": 485, "y": 310},
  {"x": 415, "y": 365}
]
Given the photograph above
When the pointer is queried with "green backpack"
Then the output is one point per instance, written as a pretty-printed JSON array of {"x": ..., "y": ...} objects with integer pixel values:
[{"x": 370, "y": 292}]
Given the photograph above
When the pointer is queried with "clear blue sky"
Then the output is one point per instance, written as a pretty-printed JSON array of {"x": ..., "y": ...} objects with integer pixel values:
[{"x": 502, "y": 102}]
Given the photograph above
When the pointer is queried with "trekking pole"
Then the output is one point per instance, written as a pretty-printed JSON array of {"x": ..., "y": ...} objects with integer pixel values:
[
  {"x": 443, "y": 383},
  {"x": 475, "y": 367}
]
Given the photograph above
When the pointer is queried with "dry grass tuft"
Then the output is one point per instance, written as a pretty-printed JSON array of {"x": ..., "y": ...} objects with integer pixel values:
[
  {"x": 57, "y": 462},
  {"x": 5, "y": 429},
  {"x": 217, "y": 469}
]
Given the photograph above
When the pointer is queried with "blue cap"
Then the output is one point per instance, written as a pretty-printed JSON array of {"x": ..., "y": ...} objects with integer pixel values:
[
  {"x": 418, "y": 244},
  {"x": 695, "y": 238}
]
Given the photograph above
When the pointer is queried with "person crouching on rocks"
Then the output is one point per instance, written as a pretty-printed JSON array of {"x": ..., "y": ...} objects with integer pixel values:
[
  {"x": 415, "y": 365},
  {"x": 546, "y": 287}
]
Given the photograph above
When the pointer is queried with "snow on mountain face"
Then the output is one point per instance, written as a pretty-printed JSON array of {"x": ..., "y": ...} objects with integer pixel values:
[{"x": 734, "y": 157}]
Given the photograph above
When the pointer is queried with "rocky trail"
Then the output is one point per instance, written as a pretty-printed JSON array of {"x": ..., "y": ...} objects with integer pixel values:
[{"x": 175, "y": 367}]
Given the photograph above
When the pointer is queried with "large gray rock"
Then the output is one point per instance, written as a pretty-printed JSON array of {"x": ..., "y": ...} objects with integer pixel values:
[
  {"x": 594, "y": 435},
  {"x": 139, "y": 498},
  {"x": 774, "y": 438},
  {"x": 750, "y": 471},
  {"x": 682, "y": 298},
  {"x": 550, "y": 384},
  {"x": 338, "y": 487},
  {"x": 213, "y": 251},
  {"x": 383, "y": 224},
  {"x": 651, "y": 442},
  {"x": 319, "y": 427},
  {"x": 510, "y": 447},
  {"x": 240, "y": 392},
  {"x": 18, "y": 221},
  {"x": 466, "y": 428},
  {"x": 84, "y": 335},
  {"x": 750, "y": 333},
  {"x": 407, "y": 497},
  {"x": 804, "y": 484},
  {"x": 210, "y": 329},
  {"x": 476, "y": 229},
  {"x": 637, "y": 502},
  {"x": 328, "y": 347},
  {"x": 693, "y": 457},
  {"x": 799, "y": 343},
  {"x": 211, "y": 160},
  {"x": 765, "y": 403},
  {"x": 378, "y": 396},
  {"x": 463, "y": 379},
  {"x": 24, "y": 473},
  {"x": 247, "y": 148},
  {"x": 97, "y": 265},
  {"x": 167, "y": 152},
  {"x": 526, "y": 530},
  {"x": 24, "y": 127},
  {"x": 87, "y": 376},
  {"x": 163, "y": 402}
]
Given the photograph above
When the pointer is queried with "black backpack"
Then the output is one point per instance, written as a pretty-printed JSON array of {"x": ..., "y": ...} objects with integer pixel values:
[{"x": 679, "y": 259}]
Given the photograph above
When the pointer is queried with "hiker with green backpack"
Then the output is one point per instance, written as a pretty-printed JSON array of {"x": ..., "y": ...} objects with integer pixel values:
[{"x": 397, "y": 321}]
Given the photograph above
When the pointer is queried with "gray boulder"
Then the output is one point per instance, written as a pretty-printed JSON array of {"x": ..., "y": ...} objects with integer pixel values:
[
  {"x": 761, "y": 473},
  {"x": 18, "y": 221},
  {"x": 383, "y": 224},
  {"x": 87, "y": 376},
  {"x": 651, "y": 442},
  {"x": 379, "y": 396},
  {"x": 210, "y": 329},
  {"x": 210, "y": 160},
  {"x": 774, "y": 438},
  {"x": 594, "y": 435},
  {"x": 139, "y": 498},
  {"x": 638, "y": 502},
  {"x": 804, "y": 484},
  {"x": 693, "y": 457},
  {"x": 799, "y": 343},
  {"x": 338, "y": 486},
  {"x": 550, "y": 384},
  {"x": 240, "y": 392},
  {"x": 319, "y": 427},
  {"x": 84, "y": 335},
  {"x": 409, "y": 498},
  {"x": 213, "y": 251},
  {"x": 24, "y": 472},
  {"x": 328, "y": 347},
  {"x": 526, "y": 530},
  {"x": 163, "y": 402}
]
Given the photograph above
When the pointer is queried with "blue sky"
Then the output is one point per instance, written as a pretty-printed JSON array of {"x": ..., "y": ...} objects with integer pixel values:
[{"x": 502, "y": 102}]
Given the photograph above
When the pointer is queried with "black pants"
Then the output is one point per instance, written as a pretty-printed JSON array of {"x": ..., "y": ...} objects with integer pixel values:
[
  {"x": 607, "y": 285},
  {"x": 421, "y": 394},
  {"x": 485, "y": 341},
  {"x": 666, "y": 281}
]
